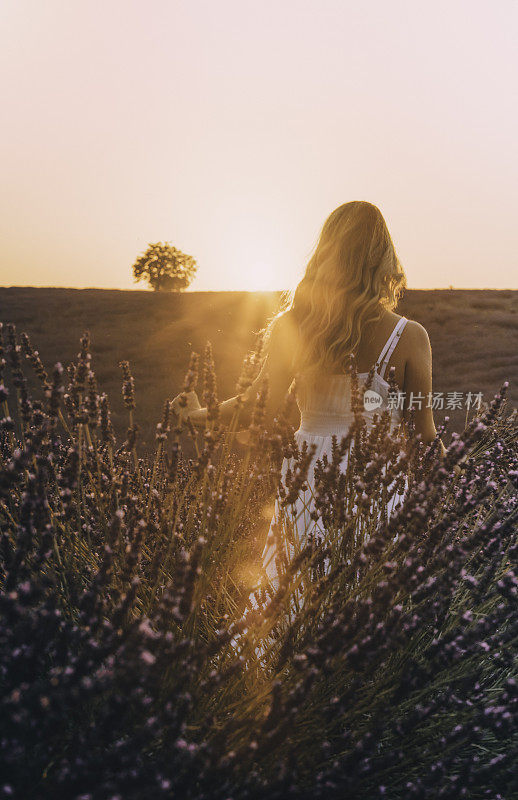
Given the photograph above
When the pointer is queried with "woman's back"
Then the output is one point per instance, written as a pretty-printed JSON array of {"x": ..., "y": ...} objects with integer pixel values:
[
  {"x": 329, "y": 394},
  {"x": 324, "y": 401}
]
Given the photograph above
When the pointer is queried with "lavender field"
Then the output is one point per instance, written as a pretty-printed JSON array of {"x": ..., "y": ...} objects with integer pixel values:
[{"x": 143, "y": 652}]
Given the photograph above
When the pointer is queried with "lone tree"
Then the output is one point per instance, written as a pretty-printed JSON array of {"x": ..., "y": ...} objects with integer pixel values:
[{"x": 165, "y": 268}]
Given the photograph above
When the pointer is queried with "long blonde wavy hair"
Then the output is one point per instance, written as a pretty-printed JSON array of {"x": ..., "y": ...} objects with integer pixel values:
[{"x": 352, "y": 276}]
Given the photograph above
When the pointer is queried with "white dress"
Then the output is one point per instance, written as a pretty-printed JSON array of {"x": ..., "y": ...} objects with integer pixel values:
[{"x": 325, "y": 409}]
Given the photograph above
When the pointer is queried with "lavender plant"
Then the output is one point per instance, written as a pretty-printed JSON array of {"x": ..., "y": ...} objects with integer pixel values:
[{"x": 145, "y": 654}]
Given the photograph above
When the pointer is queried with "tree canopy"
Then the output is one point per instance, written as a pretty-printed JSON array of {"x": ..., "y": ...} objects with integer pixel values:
[{"x": 165, "y": 268}]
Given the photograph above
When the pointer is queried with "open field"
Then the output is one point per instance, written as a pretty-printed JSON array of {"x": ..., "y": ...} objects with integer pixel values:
[{"x": 474, "y": 335}]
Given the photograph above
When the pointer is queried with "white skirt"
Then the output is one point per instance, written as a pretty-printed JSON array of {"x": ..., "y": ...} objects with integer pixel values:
[{"x": 299, "y": 522}]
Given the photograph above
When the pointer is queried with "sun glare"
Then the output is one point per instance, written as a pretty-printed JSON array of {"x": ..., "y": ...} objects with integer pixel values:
[{"x": 260, "y": 277}]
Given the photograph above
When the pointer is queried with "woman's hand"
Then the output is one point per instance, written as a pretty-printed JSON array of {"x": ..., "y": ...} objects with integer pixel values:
[
  {"x": 184, "y": 404},
  {"x": 243, "y": 437},
  {"x": 460, "y": 467}
]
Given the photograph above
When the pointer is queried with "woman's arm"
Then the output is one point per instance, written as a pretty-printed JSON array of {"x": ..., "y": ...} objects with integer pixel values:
[
  {"x": 418, "y": 383},
  {"x": 276, "y": 369},
  {"x": 227, "y": 409},
  {"x": 187, "y": 406}
]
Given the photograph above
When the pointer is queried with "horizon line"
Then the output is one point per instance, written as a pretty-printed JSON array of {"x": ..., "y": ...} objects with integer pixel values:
[{"x": 248, "y": 291}]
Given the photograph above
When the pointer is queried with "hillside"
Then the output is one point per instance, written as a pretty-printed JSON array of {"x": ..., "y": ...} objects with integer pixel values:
[{"x": 474, "y": 336}]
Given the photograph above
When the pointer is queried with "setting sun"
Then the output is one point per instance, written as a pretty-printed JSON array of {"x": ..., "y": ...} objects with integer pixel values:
[{"x": 261, "y": 277}]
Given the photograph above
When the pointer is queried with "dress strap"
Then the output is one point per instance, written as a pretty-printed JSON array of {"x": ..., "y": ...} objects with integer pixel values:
[{"x": 390, "y": 344}]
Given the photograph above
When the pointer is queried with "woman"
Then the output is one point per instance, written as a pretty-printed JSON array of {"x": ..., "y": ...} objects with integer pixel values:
[{"x": 344, "y": 305}]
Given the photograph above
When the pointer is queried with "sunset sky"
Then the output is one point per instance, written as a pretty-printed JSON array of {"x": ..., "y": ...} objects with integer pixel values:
[{"x": 233, "y": 128}]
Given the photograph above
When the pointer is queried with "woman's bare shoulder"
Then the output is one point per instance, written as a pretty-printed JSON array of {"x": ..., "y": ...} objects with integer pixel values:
[
  {"x": 413, "y": 333},
  {"x": 283, "y": 329},
  {"x": 417, "y": 332},
  {"x": 415, "y": 343}
]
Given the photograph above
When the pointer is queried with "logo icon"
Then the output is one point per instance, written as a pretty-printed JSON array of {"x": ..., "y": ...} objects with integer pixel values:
[{"x": 371, "y": 400}]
